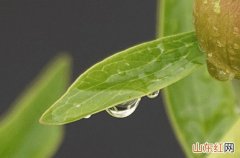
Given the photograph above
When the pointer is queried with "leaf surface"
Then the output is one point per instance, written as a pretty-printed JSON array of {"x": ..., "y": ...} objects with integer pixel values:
[{"x": 127, "y": 75}]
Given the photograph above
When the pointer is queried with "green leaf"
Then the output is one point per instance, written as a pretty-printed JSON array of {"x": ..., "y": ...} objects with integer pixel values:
[
  {"x": 127, "y": 75},
  {"x": 233, "y": 135},
  {"x": 21, "y": 135},
  {"x": 200, "y": 108}
]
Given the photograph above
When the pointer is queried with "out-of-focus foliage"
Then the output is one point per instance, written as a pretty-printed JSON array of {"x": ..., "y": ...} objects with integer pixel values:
[{"x": 21, "y": 134}]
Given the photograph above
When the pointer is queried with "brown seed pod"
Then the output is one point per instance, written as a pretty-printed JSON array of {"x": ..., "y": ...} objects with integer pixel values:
[{"x": 217, "y": 24}]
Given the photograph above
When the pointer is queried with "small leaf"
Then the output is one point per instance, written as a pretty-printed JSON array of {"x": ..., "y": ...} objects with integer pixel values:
[
  {"x": 21, "y": 135},
  {"x": 127, "y": 75}
]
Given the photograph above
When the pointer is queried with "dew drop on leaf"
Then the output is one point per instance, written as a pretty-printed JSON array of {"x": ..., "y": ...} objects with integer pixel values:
[
  {"x": 88, "y": 116},
  {"x": 153, "y": 94},
  {"x": 124, "y": 109}
]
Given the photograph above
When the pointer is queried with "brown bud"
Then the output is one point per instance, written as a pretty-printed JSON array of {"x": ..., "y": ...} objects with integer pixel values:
[{"x": 217, "y": 24}]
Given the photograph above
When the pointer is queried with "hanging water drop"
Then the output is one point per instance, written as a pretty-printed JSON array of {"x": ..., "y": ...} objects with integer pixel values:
[
  {"x": 153, "y": 94},
  {"x": 124, "y": 109},
  {"x": 88, "y": 116}
]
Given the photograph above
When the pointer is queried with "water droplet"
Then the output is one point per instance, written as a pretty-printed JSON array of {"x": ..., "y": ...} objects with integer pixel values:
[
  {"x": 153, "y": 94},
  {"x": 124, "y": 109},
  {"x": 88, "y": 116}
]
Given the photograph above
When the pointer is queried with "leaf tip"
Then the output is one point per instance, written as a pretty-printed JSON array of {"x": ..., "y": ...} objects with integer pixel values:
[
  {"x": 44, "y": 119},
  {"x": 47, "y": 119}
]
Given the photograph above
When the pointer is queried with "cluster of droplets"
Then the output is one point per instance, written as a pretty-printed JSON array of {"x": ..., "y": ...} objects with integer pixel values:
[{"x": 126, "y": 109}]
